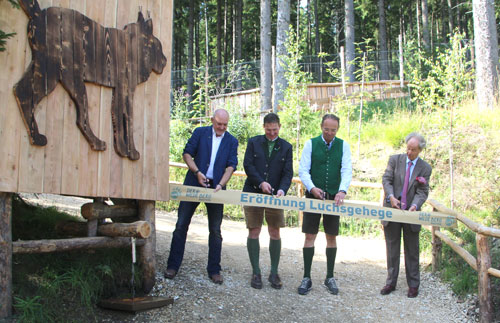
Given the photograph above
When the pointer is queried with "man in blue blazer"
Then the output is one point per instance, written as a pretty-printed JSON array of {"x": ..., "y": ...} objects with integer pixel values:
[
  {"x": 269, "y": 166},
  {"x": 212, "y": 156}
]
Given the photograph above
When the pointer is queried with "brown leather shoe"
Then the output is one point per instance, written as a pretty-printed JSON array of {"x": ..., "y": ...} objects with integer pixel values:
[
  {"x": 216, "y": 278},
  {"x": 275, "y": 281},
  {"x": 256, "y": 281},
  {"x": 412, "y": 292},
  {"x": 170, "y": 273},
  {"x": 387, "y": 289}
]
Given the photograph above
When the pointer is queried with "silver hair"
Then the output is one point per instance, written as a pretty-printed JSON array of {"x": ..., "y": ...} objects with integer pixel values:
[{"x": 421, "y": 140}]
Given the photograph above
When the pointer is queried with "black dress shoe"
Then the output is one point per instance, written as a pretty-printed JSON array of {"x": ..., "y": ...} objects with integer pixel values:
[
  {"x": 275, "y": 281},
  {"x": 170, "y": 273},
  {"x": 216, "y": 279},
  {"x": 412, "y": 292},
  {"x": 387, "y": 289},
  {"x": 256, "y": 281}
]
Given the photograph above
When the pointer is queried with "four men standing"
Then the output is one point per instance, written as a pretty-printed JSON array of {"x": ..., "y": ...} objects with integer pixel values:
[{"x": 325, "y": 170}]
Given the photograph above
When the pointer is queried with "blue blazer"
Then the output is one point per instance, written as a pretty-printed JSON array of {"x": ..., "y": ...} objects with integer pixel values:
[{"x": 199, "y": 146}]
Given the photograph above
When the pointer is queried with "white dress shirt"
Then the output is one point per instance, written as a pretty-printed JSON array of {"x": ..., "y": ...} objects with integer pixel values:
[
  {"x": 215, "y": 147},
  {"x": 305, "y": 166}
]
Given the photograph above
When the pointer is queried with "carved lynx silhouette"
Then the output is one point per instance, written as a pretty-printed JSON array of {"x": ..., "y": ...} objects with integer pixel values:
[{"x": 70, "y": 48}]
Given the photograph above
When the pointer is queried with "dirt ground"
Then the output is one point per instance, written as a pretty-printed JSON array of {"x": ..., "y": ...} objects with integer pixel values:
[{"x": 360, "y": 272}]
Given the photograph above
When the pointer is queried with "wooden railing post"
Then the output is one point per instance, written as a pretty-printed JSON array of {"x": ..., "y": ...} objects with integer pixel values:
[
  {"x": 5, "y": 255},
  {"x": 300, "y": 193},
  {"x": 484, "y": 284},
  {"x": 437, "y": 245}
]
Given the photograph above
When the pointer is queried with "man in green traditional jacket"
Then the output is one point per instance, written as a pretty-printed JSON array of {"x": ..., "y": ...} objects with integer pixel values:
[{"x": 326, "y": 171}]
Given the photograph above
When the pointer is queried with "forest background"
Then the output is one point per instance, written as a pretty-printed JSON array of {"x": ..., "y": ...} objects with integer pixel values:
[{"x": 218, "y": 49}]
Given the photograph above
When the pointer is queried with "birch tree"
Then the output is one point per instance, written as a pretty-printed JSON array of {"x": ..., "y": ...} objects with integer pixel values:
[
  {"x": 280, "y": 82},
  {"x": 349, "y": 39},
  {"x": 265, "y": 55},
  {"x": 486, "y": 51}
]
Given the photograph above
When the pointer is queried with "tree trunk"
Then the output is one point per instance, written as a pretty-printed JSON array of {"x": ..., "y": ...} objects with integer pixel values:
[
  {"x": 265, "y": 55},
  {"x": 317, "y": 45},
  {"x": 280, "y": 82},
  {"x": 425, "y": 25},
  {"x": 238, "y": 12},
  {"x": 450, "y": 16},
  {"x": 349, "y": 39},
  {"x": 190, "y": 76},
  {"x": 5, "y": 255},
  {"x": 382, "y": 39},
  {"x": 220, "y": 40},
  {"x": 486, "y": 51}
]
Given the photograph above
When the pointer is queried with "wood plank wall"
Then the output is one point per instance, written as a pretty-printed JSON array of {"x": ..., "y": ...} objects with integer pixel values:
[{"x": 67, "y": 165}]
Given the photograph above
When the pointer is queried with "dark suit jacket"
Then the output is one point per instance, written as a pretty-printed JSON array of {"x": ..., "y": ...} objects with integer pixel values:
[
  {"x": 277, "y": 170},
  {"x": 393, "y": 181},
  {"x": 199, "y": 146}
]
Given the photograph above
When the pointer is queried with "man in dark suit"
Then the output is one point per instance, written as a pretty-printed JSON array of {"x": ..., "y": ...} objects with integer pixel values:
[
  {"x": 212, "y": 156},
  {"x": 269, "y": 166},
  {"x": 406, "y": 187}
]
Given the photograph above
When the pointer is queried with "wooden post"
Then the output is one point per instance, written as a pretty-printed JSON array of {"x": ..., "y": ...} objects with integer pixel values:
[
  {"x": 300, "y": 193},
  {"x": 5, "y": 255},
  {"x": 147, "y": 259},
  {"x": 437, "y": 244},
  {"x": 484, "y": 285}
]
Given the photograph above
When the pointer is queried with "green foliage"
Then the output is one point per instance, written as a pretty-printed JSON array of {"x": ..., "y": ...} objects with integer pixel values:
[
  {"x": 443, "y": 81},
  {"x": 3, "y": 39},
  {"x": 32, "y": 310},
  {"x": 33, "y": 222}
]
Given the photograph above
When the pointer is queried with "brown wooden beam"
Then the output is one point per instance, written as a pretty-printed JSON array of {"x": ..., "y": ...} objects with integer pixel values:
[
  {"x": 5, "y": 255},
  {"x": 91, "y": 211},
  {"x": 58, "y": 245},
  {"x": 484, "y": 283},
  {"x": 147, "y": 259},
  {"x": 138, "y": 229}
]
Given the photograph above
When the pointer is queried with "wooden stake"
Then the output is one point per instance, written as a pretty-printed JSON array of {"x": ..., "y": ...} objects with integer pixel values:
[
  {"x": 436, "y": 250},
  {"x": 147, "y": 259},
  {"x": 5, "y": 255},
  {"x": 484, "y": 284}
]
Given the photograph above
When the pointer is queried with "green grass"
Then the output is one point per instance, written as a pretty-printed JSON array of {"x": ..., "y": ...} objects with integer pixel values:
[{"x": 47, "y": 287}]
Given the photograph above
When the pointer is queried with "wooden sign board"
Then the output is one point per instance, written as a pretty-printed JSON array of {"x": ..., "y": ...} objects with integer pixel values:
[{"x": 67, "y": 164}]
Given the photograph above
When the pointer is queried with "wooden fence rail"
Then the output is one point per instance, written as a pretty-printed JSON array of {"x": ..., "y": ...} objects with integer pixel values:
[{"x": 481, "y": 264}]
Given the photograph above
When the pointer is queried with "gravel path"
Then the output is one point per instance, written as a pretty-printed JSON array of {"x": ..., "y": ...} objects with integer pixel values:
[{"x": 359, "y": 271}]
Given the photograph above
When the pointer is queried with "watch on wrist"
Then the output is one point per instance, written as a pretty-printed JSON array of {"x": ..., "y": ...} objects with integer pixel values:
[
  {"x": 196, "y": 172},
  {"x": 343, "y": 191}
]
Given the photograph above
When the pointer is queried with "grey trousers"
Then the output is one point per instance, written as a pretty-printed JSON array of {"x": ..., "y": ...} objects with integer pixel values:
[{"x": 392, "y": 232}]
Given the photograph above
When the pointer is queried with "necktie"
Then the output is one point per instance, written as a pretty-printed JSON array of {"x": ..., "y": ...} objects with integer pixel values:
[{"x": 405, "y": 186}]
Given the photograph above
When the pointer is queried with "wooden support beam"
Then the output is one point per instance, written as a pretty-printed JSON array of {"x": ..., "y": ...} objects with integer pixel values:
[
  {"x": 437, "y": 245},
  {"x": 484, "y": 284},
  {"x": 58, "y": 245},
  {"x": 5, "y": 255},
  {"x": 138, "y": 229},
  {"x": 147, "y": 259},
  {"x": 91, "y": 211}
]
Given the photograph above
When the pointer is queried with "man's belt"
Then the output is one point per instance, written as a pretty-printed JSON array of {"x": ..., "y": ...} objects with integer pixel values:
[{"x": 199, "y": 194}]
